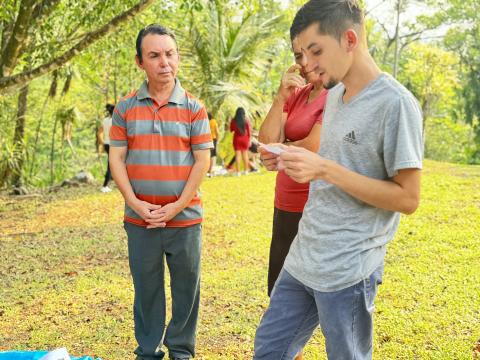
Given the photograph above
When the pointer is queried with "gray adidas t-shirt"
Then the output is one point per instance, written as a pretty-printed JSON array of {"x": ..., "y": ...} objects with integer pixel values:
[{"x": 341, "y": 240}]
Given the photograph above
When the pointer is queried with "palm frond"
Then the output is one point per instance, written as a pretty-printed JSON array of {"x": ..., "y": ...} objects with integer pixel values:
[{"x": 225, "y": 57}]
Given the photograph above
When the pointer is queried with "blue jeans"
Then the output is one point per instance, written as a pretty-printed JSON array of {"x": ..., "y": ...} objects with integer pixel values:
[{"x": 345, "y": 318}]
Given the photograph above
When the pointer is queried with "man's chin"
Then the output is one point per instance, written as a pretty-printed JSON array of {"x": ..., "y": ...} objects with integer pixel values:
[
  {"x": 330, "y": 84},
  {"x": 164, "y": 78}
]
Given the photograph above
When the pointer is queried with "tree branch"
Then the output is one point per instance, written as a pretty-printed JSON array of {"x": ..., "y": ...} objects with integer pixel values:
[
  {"x": 44, "y": 9},
  {"x": 368, "y": 11},
  {"x": 9, "y": 83},
  {"x": 17, "y": 38}
]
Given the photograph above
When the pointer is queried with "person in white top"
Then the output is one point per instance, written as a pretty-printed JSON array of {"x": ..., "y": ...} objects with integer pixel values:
[{"x": 105, "y": 135}]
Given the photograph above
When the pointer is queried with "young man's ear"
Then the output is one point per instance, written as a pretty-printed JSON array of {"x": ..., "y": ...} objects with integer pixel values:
[{"x": 352, "y": 39}]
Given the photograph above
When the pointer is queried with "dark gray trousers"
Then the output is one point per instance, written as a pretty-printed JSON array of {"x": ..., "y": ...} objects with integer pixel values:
[{"x": 147, "y": 249}]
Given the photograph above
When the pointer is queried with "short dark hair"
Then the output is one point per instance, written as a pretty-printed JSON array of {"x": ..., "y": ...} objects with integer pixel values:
[
  {"x": 109, "y": 108},
  {"x": 333, "y": 17},
  {"x": 152, "y": 29}
]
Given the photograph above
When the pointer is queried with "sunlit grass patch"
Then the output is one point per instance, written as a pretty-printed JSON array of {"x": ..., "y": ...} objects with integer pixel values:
[{"x": 65, "y": 279}]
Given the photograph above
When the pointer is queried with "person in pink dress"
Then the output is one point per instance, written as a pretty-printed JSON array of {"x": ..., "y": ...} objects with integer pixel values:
[
  {"x": 295, "y": 118},
  {"x": 241, "y": 128}
]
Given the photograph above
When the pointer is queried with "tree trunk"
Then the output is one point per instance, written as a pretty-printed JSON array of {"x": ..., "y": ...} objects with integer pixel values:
[
  {"x": 425, "y": 113},
  {"x": 9, "y": 83},
  {"x": 107, "y": 85},
  {"x": 44, "y": 9},
  {"x": 52, "y": 151},
  {"x": 18, "y": 138},
  {"x": 13, "y": 47},
  {"x": 51, "y": 94},
  {"x": 397, "y": 40},
  {"x": 115, "y": 78}
]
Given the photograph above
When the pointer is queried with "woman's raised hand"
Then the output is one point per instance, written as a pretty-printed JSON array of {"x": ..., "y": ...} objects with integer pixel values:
[{"x": 290, "y": 80}]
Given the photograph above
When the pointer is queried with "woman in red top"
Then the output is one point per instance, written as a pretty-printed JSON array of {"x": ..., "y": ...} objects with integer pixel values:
[
  {"x": 240, "y": 126},
  {"x": 295, "y": 118}
]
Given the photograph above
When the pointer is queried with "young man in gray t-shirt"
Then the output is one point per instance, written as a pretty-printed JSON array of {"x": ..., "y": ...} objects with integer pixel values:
[{"x": 365, "y": 174}]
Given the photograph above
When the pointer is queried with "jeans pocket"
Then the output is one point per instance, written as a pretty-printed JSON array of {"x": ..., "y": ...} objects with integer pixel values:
[
  {"x": 369, "y": 294},
  {"x": 371, "y": 286}
]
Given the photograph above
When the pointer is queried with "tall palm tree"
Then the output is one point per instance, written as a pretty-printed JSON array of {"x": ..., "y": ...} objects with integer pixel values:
[{"x": 226, "y": 56}]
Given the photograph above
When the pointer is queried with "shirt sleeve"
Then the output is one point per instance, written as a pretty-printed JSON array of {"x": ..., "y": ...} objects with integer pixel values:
[
  {"x": 118, "y": 131},
  {"x": 403, "y": 138},
  {"x": 200, "y": 136}
]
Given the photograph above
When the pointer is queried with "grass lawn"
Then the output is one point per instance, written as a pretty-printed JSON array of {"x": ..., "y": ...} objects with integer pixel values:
[{"x": 65, "y": 279}]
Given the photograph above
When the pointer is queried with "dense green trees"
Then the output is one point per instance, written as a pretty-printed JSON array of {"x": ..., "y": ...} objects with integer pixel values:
[
  {"x": 39, "y": 36},
  {"x": 233, "y": 54},
  {"x": 229, "y": 52},
  {"x": 436, "y": 57},
  {"x": 463, "y": 40}
]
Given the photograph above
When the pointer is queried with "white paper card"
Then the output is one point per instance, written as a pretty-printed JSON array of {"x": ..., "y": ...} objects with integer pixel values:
[{"x": 273, "y": 149}]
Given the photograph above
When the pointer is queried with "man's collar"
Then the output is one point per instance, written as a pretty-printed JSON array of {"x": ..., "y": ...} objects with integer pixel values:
[
  {"x": 142, "y": 93},
  {"x": 177, "y": 96}
]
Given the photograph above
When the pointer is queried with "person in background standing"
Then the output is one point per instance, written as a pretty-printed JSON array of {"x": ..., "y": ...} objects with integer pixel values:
[
  {"x": 213, "y": 151},
  {"x": 105, "y": 136},
  {"x": 241, "y": 128}
]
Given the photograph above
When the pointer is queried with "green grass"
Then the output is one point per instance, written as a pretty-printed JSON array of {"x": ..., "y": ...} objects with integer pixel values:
[{"x": 65, "y": 280}]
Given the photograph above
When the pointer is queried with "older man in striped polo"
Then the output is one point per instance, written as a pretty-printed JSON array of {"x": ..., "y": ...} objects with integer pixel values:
[{"x": 160, "y": 152}]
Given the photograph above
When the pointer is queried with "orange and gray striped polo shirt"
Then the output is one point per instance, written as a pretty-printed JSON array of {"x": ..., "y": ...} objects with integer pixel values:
[{"x": 160, "y": 142}]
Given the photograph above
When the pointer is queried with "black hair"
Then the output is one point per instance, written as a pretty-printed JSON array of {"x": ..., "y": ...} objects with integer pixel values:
[
  {"x": 152, "y": 29},
  {"x": 210, "y": 116},
  {"x": 332, "y": 16},
  {"x": 240, "y": 120},
  {"x": 109, "y": 108}
]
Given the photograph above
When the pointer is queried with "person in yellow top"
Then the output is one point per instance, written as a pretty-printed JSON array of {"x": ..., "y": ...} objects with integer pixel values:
[{"x": 213, "y": 151}]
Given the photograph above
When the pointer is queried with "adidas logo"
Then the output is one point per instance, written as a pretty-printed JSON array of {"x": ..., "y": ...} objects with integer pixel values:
[{"x": 350, "y": 137}]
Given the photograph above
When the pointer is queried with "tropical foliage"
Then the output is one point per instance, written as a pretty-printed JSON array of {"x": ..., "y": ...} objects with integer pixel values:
[
  {"x": 233, "y": 54},
  {"x": 64, "y": 272},
  {"x": 227, "y": 53}
]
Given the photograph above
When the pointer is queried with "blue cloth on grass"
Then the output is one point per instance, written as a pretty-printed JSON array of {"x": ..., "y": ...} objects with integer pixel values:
[{"x": 31, "y": 355}]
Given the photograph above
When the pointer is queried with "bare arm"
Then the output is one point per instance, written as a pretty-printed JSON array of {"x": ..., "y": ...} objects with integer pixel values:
[
  {"x": 101, "y": 136},
  {"x": 272, "y": 129},
  {"x": 198, "y": 172},
  {"x": 401, "y": 193},
  {"x": 311, "y": 141}
]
